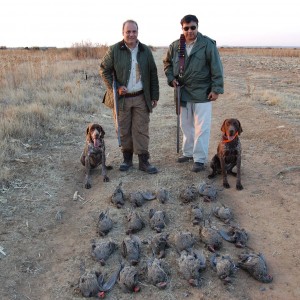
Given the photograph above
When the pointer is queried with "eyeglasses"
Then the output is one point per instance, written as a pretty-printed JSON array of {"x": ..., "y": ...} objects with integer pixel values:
[{"x": 191, "y": 27}]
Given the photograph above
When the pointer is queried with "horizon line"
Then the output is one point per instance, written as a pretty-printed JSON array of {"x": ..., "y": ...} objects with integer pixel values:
[{"x": 92, "y": 46}]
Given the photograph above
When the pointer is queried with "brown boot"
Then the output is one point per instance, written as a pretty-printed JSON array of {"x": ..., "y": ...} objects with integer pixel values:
[
  {"x": 127, "y": 163},
  {"x": 144, "y": 164}
]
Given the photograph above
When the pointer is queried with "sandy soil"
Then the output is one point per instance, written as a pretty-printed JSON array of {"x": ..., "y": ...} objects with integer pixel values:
[{"x": 46, "y": 236}]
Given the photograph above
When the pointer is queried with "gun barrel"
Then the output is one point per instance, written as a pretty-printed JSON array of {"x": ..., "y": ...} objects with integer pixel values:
[
  {"x": 178, "y": 116},
  {"x": 116, "y": 108}
]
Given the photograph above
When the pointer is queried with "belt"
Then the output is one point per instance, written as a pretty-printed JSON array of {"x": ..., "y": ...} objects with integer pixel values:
[{"x": 134, "y": 94}]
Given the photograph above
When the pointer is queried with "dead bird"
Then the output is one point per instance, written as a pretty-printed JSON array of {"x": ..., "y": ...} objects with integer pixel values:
[
  {"x": 208, "y": 192},
  {"x": 184, "y": 241},
  {"x": 196, "y": 214},
  {"x": 118, "y": 198},
  {"x": 128, "y": 279},
  {"x": 136, "y": 199},
  {"x": 191, "y": 265},
  {"x": 224, "y": 267},
  {"x": 188, "y": 194},
  {"x": 88, "y": 284},
  {"x": 235, "y": 235},
  {"x": 134, "y": 223},
  {"x": 223, "y": 213},
  {"x": 131, "y": 249},
  {"x": 158, "y": 244},
  {"x": 157, "y": 273},
  {"x": 255, "y": 265},
  {"x": 162, "y": 195},
  {"x": 157, "y": 219},
  {"x": 104, "y": 224},
  {"x": 148, "y": 195},
  {"x": 91, "y": 283},
  {"x": 101, "y": 250},
  {"x": 210, "y": 237}
]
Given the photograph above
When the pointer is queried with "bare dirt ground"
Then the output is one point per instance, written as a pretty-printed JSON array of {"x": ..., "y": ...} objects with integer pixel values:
[{"x": 46, "y": 235}]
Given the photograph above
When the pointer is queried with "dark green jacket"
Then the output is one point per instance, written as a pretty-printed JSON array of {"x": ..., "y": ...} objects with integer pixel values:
[
  {"x": 118, "y": 58},
  {"x": 203, "y": 70}
]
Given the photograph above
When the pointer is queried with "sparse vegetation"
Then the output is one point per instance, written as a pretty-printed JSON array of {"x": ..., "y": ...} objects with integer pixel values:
[
  {"x": 278, "y": 52},
  {"x": 250, "y": 88},
  {"x": 86, "y": 50},
  {"x": 40, "y": 90},
  {"x": 267, "y": 97}
]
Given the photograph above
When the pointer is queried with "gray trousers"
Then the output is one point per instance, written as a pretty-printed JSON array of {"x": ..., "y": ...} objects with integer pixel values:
[{"x": 195, "y": 122}]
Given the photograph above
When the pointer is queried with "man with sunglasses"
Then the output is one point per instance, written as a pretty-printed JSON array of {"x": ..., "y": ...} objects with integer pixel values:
[
  {"x": 136, "y": 77},
  {"x": 200, "y": 77}
]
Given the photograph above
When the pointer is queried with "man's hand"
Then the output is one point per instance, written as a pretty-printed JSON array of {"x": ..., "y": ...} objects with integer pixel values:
[
  {"x": 212, "y": 96},
  {"x": 122, "y": 90},
  {"x": 175, "y": 83},
  {"x": 154, "y": 103}
]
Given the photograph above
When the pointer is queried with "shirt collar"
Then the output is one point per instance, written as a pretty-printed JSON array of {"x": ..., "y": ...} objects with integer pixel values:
[
  {"x": 192, "y": 43},
  {"x": 132, "y": 49}
]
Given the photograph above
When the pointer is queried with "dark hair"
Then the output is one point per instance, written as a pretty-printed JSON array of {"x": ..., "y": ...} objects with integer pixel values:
[
  {"x": 130, "y": 21},
  {"x": 188, "y": 19}
]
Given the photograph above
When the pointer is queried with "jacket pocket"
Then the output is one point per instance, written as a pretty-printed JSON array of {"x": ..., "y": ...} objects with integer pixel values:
[
  {"x": 199, "y": 62},
  {"x": 108, "y": 99}
]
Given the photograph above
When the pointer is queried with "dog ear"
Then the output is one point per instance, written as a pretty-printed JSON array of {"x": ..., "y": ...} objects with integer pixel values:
[
  {"x": 88, "y": 135},
  {"x": 87, "y": 130},
  {"x": 223, "y": 126},
  {"x": 100, "y": 129},
  {"x": 102, "y": 132},
  {"x": 240, "y": 127}
]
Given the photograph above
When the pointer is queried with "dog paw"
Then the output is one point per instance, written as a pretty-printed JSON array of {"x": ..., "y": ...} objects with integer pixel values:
[
  {"x": 226, "y": 185},
  {"x": 239, "y": 186},
  {"x": 87, "y": 185},
  {"x": 105, "y": 179}
]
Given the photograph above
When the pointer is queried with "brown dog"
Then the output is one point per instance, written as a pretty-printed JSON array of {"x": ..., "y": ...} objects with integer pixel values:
[
  {"x": 93, "y": 154},
  {"x": 229, "y": 153}
]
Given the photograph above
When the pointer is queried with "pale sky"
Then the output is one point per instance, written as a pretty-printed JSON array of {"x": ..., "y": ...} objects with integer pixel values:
[{"x": 62, "y": 23}]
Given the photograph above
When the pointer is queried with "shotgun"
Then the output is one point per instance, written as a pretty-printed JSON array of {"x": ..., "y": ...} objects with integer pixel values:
[
  {"x": 177, "y": 101},
  {"x": 181, "y": 53},
  {"x": 116, "y": 107}
]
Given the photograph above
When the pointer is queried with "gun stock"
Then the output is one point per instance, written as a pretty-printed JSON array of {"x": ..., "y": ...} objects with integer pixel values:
[{"x": 116, "y": 108}]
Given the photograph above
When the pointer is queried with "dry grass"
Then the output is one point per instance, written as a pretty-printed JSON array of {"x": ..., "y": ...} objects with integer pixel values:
[
  {"x": 86, "y": 50},
  {"x": 42, "y": 90},
  {"x": 276, "y": 52},
  {"x": 267, "y": 97}
]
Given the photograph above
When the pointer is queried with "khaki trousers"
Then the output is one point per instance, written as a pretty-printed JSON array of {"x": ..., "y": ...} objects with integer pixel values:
[{"x": 134, "y": 119}]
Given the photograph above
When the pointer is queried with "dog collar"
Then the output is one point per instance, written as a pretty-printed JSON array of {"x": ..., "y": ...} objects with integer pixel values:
[{"x": 226, "y": 140}]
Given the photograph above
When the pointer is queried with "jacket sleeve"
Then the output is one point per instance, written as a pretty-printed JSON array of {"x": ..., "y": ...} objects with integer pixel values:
[
  {"x": 154, "y": 85},
  {"x": 107, "y": 67},
  {"x": 168, "y": 65},
  {"x": 216, "y": 69}
]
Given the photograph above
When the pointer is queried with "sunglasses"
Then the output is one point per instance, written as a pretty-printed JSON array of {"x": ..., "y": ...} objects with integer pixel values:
[{"x": 191, "y": 27}]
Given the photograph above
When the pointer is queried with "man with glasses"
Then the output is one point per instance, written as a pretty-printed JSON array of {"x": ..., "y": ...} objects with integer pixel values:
[
  {"x": 200, "y": 77},
  {"x": 138, "y": 91}
]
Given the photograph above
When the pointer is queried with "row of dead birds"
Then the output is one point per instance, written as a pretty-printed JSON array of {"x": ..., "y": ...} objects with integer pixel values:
[
  {"x": 187, "y": 194},
  {"x": 191, "y": 262}
]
